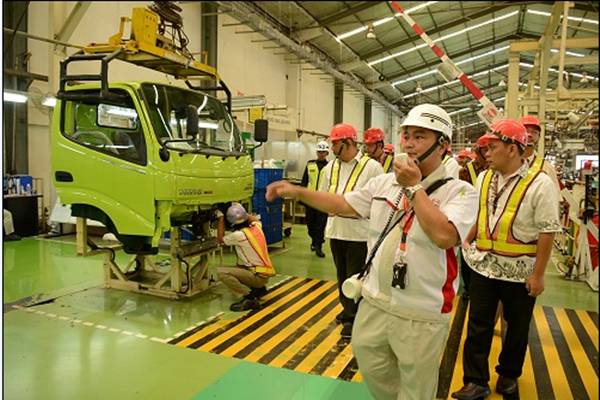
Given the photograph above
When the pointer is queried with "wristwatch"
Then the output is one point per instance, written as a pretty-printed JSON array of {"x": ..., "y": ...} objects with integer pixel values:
[{"x": 411, "y": 190}]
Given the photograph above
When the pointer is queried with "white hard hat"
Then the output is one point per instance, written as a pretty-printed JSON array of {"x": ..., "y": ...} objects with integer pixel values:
[
  {"x": 431, "y": 117},
  {"x": 323, "y": 146},
  {"x": 236, "y": 214}
]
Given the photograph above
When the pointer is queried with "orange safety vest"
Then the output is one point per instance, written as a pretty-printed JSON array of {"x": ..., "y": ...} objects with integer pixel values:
[
  {"x": 257, "y": 240},
  {"x": 502, "y": 241}
]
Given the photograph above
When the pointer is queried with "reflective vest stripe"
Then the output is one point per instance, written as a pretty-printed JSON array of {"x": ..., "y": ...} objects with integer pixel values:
[
  {"x": 387, "y": 164},
  {"x": 314, "y": 176},
  {"x": 257, "y": 240},
  {"x": 472, "y": 173},
  {"x": 501, "y": 241},
  {"x": 356, "y": 171}
]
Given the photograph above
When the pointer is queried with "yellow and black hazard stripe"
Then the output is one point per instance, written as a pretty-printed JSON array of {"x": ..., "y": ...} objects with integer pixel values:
[{"x": 296, "y": 329}]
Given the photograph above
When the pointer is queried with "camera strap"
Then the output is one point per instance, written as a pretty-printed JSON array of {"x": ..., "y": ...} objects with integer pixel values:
[{"x": 392, "y": 222}]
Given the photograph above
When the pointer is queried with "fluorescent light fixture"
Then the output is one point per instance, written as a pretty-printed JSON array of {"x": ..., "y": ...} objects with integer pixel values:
[
  {"x": 381, "y": 21},
  {"x": 14, "y": 97},
  {"x": 547, "y": 14},
  {"x": 448, "y": 36},
  {"x": 462, "y": 110},
  {"x": 489, "y": 53},
  {"x": 432, "y": 88},
  {"x": 208, "y": 125},
  {"x": 569, "y": 53},
  {"x": 49, "y": 101},
  {"x": 473, "y": 124}
]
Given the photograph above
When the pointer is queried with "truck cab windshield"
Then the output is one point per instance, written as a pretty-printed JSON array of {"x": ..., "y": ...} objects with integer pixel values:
[{"x": 167, "y": 108}]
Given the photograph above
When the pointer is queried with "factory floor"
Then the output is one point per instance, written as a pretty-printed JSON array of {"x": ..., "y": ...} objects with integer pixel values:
[{"x": 66, "y": 337}]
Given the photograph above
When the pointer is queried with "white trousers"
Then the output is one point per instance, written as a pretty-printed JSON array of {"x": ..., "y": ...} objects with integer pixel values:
[
  {"x": 398, "y": 358},
  {"x": 9, "y": 227}
]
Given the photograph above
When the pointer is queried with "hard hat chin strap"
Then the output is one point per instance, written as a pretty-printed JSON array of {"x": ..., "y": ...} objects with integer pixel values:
[{"x": 437, "y": 143}]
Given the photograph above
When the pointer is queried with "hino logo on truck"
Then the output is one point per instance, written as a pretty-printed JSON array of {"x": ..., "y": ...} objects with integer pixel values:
[{"x": 193, "y": 192}]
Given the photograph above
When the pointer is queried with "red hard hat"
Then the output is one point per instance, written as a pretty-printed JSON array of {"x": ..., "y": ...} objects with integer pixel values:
[
  {"x": 530, "y": 120},
  {"x": 374, "y": 135},
  {"x": 342, "y": 131},
  {"x": 388, "y": 148},
  {"x": 484, "y": 139},
  {"x": 510, "y": 130},
  {"x": 464, "y": 153}
]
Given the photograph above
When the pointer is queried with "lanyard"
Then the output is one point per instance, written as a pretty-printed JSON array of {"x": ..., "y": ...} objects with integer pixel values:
[{"x": 498, "y": 193}]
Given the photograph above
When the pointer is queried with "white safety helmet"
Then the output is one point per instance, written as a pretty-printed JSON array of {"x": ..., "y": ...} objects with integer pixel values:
[
  {"x": 431, "y": 117},
  {"x": 236, "y": 214},
  {"x": 323, "y": 146}
]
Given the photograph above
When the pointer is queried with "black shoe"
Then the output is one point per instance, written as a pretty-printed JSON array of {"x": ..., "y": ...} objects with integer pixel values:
[
  {"x": 12, "y": 237},
  {"x": 245, "y": 304},
  {"x": 258, "y": 292},
  {"x": 346, "y": 330},
  {"x": 319, "y": 252},
  {"x": 472, "y": 391},
  {"x": 312, "y": 247},
  {"x": 506, "y": 385}
]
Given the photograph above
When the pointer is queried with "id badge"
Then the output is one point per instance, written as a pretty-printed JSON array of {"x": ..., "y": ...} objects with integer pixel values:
[{"x": 399, "y": 275}]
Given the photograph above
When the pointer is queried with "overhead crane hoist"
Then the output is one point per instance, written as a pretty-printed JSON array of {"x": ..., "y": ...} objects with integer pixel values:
[
  {"x": 144, "y": 158},
  {"x": 450, "y": 71}
]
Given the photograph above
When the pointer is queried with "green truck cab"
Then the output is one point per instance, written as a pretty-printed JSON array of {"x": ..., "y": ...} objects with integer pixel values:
[{"x": 142, "y": 157}]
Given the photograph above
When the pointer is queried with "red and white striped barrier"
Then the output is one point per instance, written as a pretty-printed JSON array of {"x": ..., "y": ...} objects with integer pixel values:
[{"x": 489, "y": 113}]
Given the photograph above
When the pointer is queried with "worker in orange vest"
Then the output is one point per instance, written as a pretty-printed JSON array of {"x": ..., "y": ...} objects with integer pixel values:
[{"x": 248, "y": 278}]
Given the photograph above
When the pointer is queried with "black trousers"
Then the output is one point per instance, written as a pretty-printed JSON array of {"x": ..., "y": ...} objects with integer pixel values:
[
  {"x": 349, "y": 258},
  {"x": 316, "y": 221},
  {"x": 518, "y": 309},
  {"x": 465, "y": 272}
]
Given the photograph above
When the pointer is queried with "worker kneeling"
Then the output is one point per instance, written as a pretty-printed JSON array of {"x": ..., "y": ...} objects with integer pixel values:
[{"x": 249, "y": 277}]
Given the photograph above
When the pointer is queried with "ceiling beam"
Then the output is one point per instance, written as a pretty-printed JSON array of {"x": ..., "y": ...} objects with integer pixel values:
[
  {"x": 441, "y": 28},
  {"x": 345, "y": 13}
]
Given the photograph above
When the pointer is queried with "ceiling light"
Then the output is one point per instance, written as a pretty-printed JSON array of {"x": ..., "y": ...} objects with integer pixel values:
[
  {"x": 489, "y": 53},
  {"x": 14, "y": 97},
  {"x": 381, "y": 21},
  {"x": 371, "y": 32},
  {"x": 484, "y": 23},
  {"x": 547, "y": 14},
  {"x": 501, "y": 83},
  {"x": 418, "y": 89}
]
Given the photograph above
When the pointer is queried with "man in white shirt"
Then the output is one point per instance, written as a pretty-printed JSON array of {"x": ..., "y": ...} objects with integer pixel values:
[
  {"x": 417, "y": 216},
  {"x": 452, "y": 166},
  {"x": 350, "y": 170},
  {"x": 516, "y": 223}
]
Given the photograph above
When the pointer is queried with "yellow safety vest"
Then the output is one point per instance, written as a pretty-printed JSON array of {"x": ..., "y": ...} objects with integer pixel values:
[
  {"x": 314, "y": 175},
  {"x": 387, "y": 164},
  {"x": 356, "y": 171},
  {"x": 501, "y": 241},
  {"x": 472, "y": 172},
  {"x": 257, "y": 240}
]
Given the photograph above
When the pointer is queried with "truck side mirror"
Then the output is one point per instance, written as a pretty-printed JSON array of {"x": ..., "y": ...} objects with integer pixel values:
[
  {"x": 191, "y": 126},
  {"x": 261, "y": 130}
]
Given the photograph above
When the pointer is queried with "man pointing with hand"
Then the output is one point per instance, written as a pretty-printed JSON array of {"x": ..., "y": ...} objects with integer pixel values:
[{"x": 417, "y": 215}]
